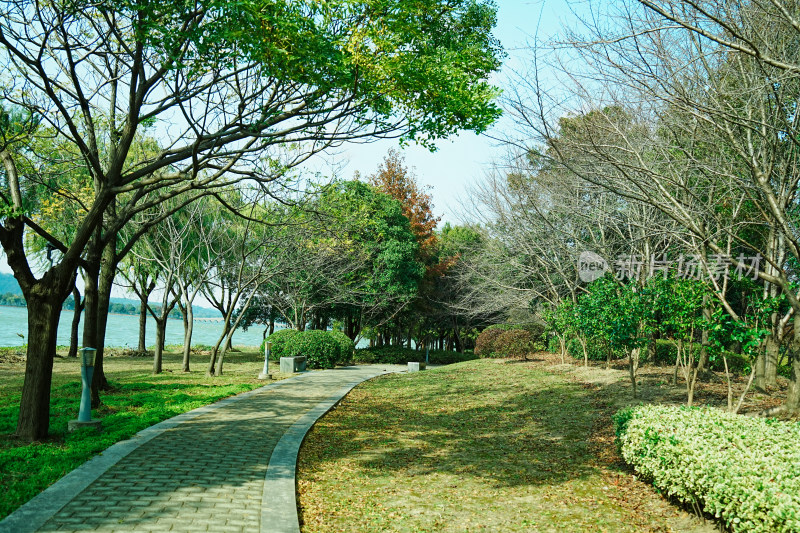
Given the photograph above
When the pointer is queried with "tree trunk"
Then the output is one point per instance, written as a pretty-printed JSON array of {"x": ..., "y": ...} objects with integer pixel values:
[
  {"x": 161, "y": 328},
  {"x": 771, "y": 354},
  {"x": 188, "y": 327},
  {"x": 677, "y": 365},
  {"x": 76, "y": 321},
  {"x": 457, "y": 339},
  {"x": 582, "y": 340},
  {"x": 220, "y": 361},
  {"x": 108, "y": 270},
  {"x": 212, "y": 362},
  {"x": 703, "y": 361},
  {"x": 142, "y": 322},
  {"x": 91, "y": 309},
  {"x": 633, "y": 366},
  {"x": 44, "y": 310},
  {"x": 651, "y": 349},
  {"x": 792, "y": 403},
  {"x": 793, "y": 395},
  {"x": 760, "y": 381}
]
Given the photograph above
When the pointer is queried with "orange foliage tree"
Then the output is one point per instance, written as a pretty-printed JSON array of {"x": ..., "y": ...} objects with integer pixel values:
[{"x": 396, "y": 180}]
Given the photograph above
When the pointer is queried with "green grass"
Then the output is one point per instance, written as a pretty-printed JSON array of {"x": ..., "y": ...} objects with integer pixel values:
[
  {"x": 475, "y": 446},
  {"x": 138, "y": 400}
]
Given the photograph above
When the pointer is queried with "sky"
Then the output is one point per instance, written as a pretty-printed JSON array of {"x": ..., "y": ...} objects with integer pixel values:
[{"x": 466, "y": 158}]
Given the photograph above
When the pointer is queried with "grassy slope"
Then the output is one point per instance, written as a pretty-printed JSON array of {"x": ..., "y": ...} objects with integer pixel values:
[
  {"x": 476, "y": 446},
  {"x": 139, "y": 400}
]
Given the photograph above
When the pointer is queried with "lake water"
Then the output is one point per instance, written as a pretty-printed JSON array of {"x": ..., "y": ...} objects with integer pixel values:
[{"x": 122, "y": 330}]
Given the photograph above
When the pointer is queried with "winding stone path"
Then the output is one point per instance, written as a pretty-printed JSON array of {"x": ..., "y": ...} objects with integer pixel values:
[{"x": 225, "y": 467}]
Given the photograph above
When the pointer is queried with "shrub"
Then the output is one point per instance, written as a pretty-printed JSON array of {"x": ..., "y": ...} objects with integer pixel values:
[
  {"x": 501, "y": 327},
  {"x": 484, "y": 344},
  {"x": 391, "y": 355},
  {"x": 667, "y": 351},
  {"x": 395, "y": 355},
  {"x": 744, "y": 471},
  {"x": 278, "y": 342},
  {"x": 346, "y": 346},
  {"x": 553, "y": 345},
  {"x": 597, "y": 351},
  {"x": 536, "y": 330},
  {"x": 320, "y": 348},
  {"x": 516, "y": 343}
]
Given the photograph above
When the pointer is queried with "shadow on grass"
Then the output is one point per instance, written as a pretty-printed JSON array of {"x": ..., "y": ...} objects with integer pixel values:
[{"x": 513, "y": 427}]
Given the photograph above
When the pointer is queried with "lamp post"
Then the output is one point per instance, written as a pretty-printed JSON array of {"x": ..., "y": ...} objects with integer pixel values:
[
  {"x": 265, "y": 373},
  {"x": 85, "y": 412}
]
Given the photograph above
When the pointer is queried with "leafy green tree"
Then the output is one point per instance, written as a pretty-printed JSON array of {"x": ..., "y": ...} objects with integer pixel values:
[
  {"x": 347, "y": 253},
  {"x": 678, "y": 304},
  {"x": 618, "y": 314},
  {"x": 562, "y": 321}
]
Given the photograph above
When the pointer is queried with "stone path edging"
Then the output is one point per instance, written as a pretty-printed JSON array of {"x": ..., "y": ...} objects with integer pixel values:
[
  {"x": 36, "y": 512},
  {"x": 279, "y": 501}
]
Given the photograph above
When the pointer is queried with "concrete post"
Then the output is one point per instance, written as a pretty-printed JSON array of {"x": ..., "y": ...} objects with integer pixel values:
[{"x": 265, "y": 372}]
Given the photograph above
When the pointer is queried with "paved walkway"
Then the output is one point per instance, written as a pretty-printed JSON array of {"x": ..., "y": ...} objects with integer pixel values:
[{"x": 225, "y": 467}]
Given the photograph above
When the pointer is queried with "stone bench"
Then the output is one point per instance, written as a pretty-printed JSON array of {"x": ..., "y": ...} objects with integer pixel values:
[
  {"x": 290, "y": 365},
  {"x": 416, "y": 367}
]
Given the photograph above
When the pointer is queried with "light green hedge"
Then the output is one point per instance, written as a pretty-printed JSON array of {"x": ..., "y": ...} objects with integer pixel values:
[
  {"x": 322, "y": 349},
  {"x": 744, "y": 471}
]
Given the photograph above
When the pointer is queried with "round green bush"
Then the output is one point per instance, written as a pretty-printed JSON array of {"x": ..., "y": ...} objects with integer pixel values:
[
  {"x": 516, "y": 343},
  {"x": 278, "y": 342},
  {"x": 320, "y": 348},
  {"x": 485, "y": 343}
]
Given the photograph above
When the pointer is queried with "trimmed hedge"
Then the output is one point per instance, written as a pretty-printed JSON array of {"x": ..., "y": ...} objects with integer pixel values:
[
  {"x": 516, "y": 343},
  {"x": 744, "y": 471},
  {"x": 394, "y": 355},
  {"x": 484, "y": 344},
  {"x": 322, "y": 349}
]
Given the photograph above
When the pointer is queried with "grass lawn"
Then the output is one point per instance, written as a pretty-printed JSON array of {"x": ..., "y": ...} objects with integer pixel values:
[
  {"x": 483, "y": 445},
  {"x": 138, "y": 400}
]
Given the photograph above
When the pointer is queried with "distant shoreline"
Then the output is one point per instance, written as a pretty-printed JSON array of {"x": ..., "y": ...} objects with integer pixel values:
[{"x": 65, "y": 309}]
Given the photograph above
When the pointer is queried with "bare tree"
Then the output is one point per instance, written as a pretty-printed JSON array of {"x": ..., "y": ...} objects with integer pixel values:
[{"x": 693, "y": 119}]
